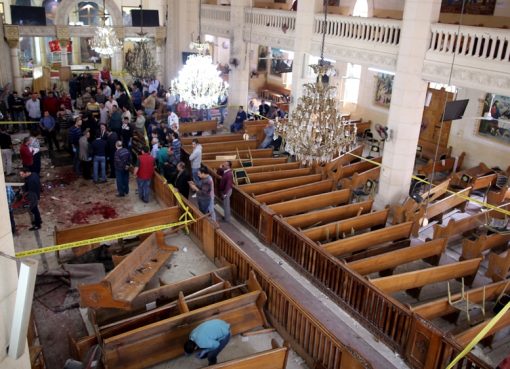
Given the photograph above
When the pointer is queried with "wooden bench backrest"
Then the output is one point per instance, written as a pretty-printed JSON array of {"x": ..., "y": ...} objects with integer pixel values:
[
  {"x": 484, "y": 181},
  {"x": 441, "y": 307},
  {"x": 428, "y": 150},
  {"x": 281, "y": 174},
  {"x": 243, "y": 154},
  {"x": 344, "y": 159},
  {"x": 220, "y": 147},
  {"x": 164, "y": 340},
  {"x": 458, "y": 227},
  {"x": 186, "y": 141},
  {"x": 445, "y": 165},
  {"x": 272, "y": 167},
  {"x": 215, "y": 164},
  {"x": 330, "y": 215},
  {"x": 498, "y": 267},
  {"x": 279, "y": 184},
  {"x": 304, "y": 204},
  {"x": 295, "y": 192},
  {"x": 366, "y": 240},
  {"x": 495, "y": 197},
  {"x": 377, "y": 218},
  {"x": 358, "y": 167},
  {"x": 474, "y": 248},
  {"x": 450, "y": 202},
  {"x": 276, "y": 358},
  {"x": 395, "y": 258},
  {"x": 207, "y": 125},
  {"x": 423, "y": 277},
  {"x": 468, "y": 335}
]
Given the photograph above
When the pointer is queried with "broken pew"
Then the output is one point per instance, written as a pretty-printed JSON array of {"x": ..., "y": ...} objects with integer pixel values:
[
  {"x": 431, "y": 250},
  {"x": 275, "y": 358},
  {"x": 330, "y": 169},
  {"x": 412, "y": 282},
  {"x": 119, "y": 288}
]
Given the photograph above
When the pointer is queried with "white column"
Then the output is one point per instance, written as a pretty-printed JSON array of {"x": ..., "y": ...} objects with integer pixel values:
[
  {"x": 16, "y": 71},
  {"x": 76, "y": 51},
  {"x": 407, "y": 101},
  {"x": 172, "y": 45},
  {"x": 63, "y": 53},
  {"x": 117, "y": 61},
  {"x": 5, "y": 60},
  {"x": 239, "y": 77},
  {"x": 305, "y": 18},
  {"x": 160, "y": 60}
]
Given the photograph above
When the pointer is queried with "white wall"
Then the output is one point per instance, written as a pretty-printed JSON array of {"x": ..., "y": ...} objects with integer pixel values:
[{"x": 366, "y": 108}]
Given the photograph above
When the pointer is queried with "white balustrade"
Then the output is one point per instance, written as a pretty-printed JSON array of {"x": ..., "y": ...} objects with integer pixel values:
[
  {"x": 376, "y": 30},
  {"x": 481, "y": 43},
  {"x": 216, "y": 13},
  {"x": 272, "y": 18}
]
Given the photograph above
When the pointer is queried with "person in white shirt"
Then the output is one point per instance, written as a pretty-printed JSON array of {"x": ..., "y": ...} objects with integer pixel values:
[
  {"x": 103, "y": 114},
  {"x": 155, "y": 148},
  {"x": 153, "y": 85},
  {"x": 126, "y": 113},
  {"x": 110, "y": 104},
  {"x": 173, "y": 120},
  {"x": 33, "y": 106},
  {"x": 107, "y": 91}
]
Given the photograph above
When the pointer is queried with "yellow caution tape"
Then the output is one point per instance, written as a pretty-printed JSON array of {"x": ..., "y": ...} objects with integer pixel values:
[
  {"x": 467, "y": 198},
  {"x": 479, "y": 336}
]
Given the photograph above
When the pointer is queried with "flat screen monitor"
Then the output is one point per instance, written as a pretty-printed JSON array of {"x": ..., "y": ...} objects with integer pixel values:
[
  {"x": 150, "y": 18},
  {"x": 28, "y": 15},
  {"x": 455, "y": 109}
]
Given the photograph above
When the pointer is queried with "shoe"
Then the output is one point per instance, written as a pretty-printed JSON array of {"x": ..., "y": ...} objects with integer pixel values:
[{"x": 34, "y": 228}]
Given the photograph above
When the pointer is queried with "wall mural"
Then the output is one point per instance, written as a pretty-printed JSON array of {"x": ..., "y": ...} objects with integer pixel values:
[
  {"x": 383, "y": 89},
  {"x": 497, "y": 109},
  {"x": 481, "y": 7}
]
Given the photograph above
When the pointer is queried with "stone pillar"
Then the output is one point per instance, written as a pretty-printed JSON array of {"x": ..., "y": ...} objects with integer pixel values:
[
  {"x": 63, "y": 37},
  {"x": 160, "y": 40},
  {"x": 5, "y": 60},
  {"x": 239, "y": 77},
  {"x": 12, "y": 38},
  {"x": 76, "y": 58},
  {"x": 42, "y": 51},
  {"x": 407, "y": 101},
  {"x": 305, "y": 19},
  {"x": 174, "y": 27},
  {"x": 118, "y": 55}
]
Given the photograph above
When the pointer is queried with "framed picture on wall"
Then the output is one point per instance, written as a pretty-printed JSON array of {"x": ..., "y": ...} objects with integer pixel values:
[
  {"x": 485, "y": 7},
  {"x": 126, "y": 15},
  {"x": 496, "y": 108},
  {"x": 383, "y": 89}
]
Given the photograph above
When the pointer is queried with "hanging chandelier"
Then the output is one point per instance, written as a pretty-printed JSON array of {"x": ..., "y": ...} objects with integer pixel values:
[
  {"x": 105, "y": 41},
  {"x": 199, "y": 82},
  {"x": 316, "y": 132}
]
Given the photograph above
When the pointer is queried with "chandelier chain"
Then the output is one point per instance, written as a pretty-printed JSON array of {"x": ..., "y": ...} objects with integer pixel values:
[{"x": 325, "y": 6}]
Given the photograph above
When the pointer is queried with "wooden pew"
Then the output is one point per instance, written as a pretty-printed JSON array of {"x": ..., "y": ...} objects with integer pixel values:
[
  {"x": 361, "y": 126},
  {"x": 329, "y": 215},
  {"x": 332, "y": 167},
  {"x": 336, "y": 229},
  {"x": 272, "y": 167},
  {"x": 498, "y": 197},
  {"x": 427, "y": 150},
  {"x": 164, "y": 340},
  {"x": 119, "y": 288},
  {"x": 474, "y": 248},
  {"x": 305, "y": 204},
  {"x": 438, "y": 208},
  {"x": 468, "y": 335},
  {"x": 243, "y": 154},
  {"x": 441, "y": 166},
  {"x": 189, "y": 127},
  {"x": 431, "y": 250},
  {"x": 215, "y": 164},
  {"x": 224, "y": 146},
  {"x": 369, "y": 239},
  {"x": 441, "y": 307},
  {"x": 348, "y": 170},
  {"x": 498, "y": 267},
  {"x": 114, "y": 226},
  {"x": 295, "y": 192},
  {"x": 276, "y": 358},
  {"x": 186, "y": 141},
  {"x": 359, "y": 179},
  {"x": 279, "y": 184},
  {"x": 255, "y": 129},
  {"x": 281, "y": 174},
  {"x": 458, "y": 227},
  {"x": 417, "y": 279},
  {"x": 477, "y": 177},
  {"x": 164, "y": 294}
]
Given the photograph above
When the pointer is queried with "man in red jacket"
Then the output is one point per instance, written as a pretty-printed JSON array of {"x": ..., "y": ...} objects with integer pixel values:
[
  {"x": 27, "y": 157},
  {"x": 225, "y": 188},
  {"x": 144, "y": 170}
]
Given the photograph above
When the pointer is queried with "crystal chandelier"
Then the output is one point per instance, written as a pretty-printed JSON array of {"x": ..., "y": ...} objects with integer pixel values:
[
  {"x": 105, "y": 41},
  {"x": 316, "y": 131},
  {"x": 199, "y": 82}
]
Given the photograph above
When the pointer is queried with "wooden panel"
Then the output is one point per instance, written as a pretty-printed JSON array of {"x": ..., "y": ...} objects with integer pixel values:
[
  {"x": 359, "y": 167},
  {"x": 270, "y": 359},
  {"x": 188, "y": 127},
  {"x": 370, "y": 220},
  {"x": 474, "y": 248},
  {"x": 280, "y": 174},
  {"x": 420, "y": 278},
  {"x": 450, "y": 202},
  {"x": 224, "y": 146},
  {"x": 468, "y": 335},
  {"x": 272, "y": 167},
  {"x": 244, "y": 154},
  {"x": 311, "y": 202},
  {"x": 128, "y": 278},
  {"x": 295, "y": 192},
  {"x": 369, "y": 239},
  {"x": 458, "y": 227},
  {"x": 212, "y": 138},
  {"x": 344, "y": 159},
  {"x": 329, "y": 215},
  {"x": 393, "y": 259},
  {"x": 215, "y": 164},
  {"x": 279, "y": 184}
]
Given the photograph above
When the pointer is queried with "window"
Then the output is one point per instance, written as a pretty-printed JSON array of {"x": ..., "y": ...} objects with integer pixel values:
[
  {"x": 351, "y": 84},
  {"x": 360, "y": 9}
]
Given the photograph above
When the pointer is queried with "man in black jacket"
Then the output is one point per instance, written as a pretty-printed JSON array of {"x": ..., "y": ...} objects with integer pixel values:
[
  {"x": 111, "y": 141},
  {"x": 122, "y": 163},
  {"x": 99, "y": 154},
  {"x": 32, "y": 189}
]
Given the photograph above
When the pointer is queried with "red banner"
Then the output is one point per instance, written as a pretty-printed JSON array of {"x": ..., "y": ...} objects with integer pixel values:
[{"x": 55, "y": 46}]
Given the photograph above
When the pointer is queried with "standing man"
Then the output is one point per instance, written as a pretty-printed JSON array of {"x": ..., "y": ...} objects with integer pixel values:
[
  {"x": 32, "y": 188},
  {"x": 195, "y": 159},
  {"x": 6, "y": 146},
  {"x": 173, "y": 120},
  {"x": 33, "y": 106},
  {"x": 210, "y": 338},
  {"x": 99, "y": 154},
  {"x": 74, "y": 135},
  {"x": 144, "y": 170},
  {"x": 226, "y": 184},
  {"x": 48, "y": 126},
  {"x": 122, "y": 161},
  {"x": 205, "y": 193}
]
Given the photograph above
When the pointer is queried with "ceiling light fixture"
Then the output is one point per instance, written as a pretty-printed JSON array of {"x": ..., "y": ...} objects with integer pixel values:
[{"x": 105, "y": 41}]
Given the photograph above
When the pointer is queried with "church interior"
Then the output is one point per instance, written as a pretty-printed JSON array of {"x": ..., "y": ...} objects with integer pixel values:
[{"x": 328, "y": 179}]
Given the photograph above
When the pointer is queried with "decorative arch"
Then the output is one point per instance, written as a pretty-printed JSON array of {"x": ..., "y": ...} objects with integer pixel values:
[{"x": 67, "y": 6}]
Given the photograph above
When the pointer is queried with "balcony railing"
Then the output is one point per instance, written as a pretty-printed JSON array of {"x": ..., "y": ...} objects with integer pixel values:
[
  {"x": 381, "y": 31},
  {"x": 271, "y": 18},
  {"x": 481, "y": 43},
  {"x": 216, "y": 13}
]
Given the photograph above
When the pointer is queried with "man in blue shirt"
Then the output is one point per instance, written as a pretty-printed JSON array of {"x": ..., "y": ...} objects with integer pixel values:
[
  {"x": 239, "y": 122},
  {"x": 48, "y": 128},
  {"x": 210, "y": 338}
]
